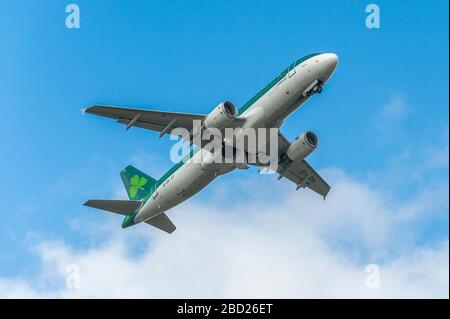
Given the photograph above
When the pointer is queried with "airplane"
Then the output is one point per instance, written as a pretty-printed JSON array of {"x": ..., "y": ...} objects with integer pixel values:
[{"x": 150, "y": 199}]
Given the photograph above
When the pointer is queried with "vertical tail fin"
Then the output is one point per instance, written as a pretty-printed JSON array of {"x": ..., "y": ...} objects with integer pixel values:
[{"x": 138, "y": 184}]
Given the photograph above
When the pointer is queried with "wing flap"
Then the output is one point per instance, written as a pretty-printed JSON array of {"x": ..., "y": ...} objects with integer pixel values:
[
  {"x": 144, "y": 125},
  {"x": 303, "y": 175}
]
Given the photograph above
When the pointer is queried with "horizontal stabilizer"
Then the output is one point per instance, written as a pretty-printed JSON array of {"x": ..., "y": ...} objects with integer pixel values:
[
  {"x": 122, "y": 207},
  {"x": 162, "y": 222}
]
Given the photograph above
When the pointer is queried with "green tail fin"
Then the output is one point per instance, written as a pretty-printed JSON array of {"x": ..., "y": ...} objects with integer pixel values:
[{"x": 138, "y": 184}]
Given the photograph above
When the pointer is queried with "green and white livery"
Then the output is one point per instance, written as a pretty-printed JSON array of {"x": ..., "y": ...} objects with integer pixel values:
[{"x": 150, "y": 198}]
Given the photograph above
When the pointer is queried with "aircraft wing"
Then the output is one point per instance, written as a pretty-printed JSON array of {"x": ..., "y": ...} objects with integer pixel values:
[
  {"x": 303, "y": 175},
  {"x": 300, "y": 172},
  {"x": 159, "y": 121}
]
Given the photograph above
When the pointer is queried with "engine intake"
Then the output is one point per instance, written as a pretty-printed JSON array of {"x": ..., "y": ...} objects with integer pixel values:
[
  {"x": 302, "y": 146},
  {"x": 222, "y": 115}
]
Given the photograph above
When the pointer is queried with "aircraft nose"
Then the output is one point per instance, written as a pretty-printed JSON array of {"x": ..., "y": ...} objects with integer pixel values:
[
  {"x": 329, "y": 62},
  {"x": 331, "y": 59}
]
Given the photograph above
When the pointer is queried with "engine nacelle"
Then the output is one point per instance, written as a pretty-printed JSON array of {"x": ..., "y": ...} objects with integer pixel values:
[
  {"x": 302, "y": 146},
  {"x": 222, "y": 115}
]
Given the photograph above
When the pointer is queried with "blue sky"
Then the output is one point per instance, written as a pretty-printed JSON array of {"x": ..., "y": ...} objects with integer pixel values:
[{"x": 382, "y": 119}]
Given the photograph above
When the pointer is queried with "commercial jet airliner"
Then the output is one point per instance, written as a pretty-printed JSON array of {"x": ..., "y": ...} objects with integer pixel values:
[{"x": 150, "y": 198}]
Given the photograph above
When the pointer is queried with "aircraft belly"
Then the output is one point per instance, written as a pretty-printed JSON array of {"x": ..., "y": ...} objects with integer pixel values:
[
  {"x": 154, "y": 206},
  {"x": 191, "y": 180},
  {"x": 287, "y": 98},
  {"x": 184, "y": 183}
]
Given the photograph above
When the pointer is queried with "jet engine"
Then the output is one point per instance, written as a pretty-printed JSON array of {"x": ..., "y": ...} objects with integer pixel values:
[
  {"x": 302, "y": 146},
  {"x": 222, "y": 115}
]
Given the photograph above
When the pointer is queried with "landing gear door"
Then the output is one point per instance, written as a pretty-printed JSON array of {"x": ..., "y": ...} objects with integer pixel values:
[{"x": 291, "y": 70}]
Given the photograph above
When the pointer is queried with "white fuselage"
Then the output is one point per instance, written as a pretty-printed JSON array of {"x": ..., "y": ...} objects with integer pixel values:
[{"x": 270, "y": 110}]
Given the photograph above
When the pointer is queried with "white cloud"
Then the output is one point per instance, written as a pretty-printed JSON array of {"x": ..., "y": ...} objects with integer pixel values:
[
  {"x": 280, "y": 243},
  {"x": 438, "y": 155},
  {"x": 395, "y": 109},
  {"x": 388, "y": 122}
]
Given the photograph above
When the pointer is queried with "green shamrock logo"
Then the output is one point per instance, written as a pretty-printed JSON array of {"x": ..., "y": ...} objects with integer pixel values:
[{"x": 137, "y": 184}]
